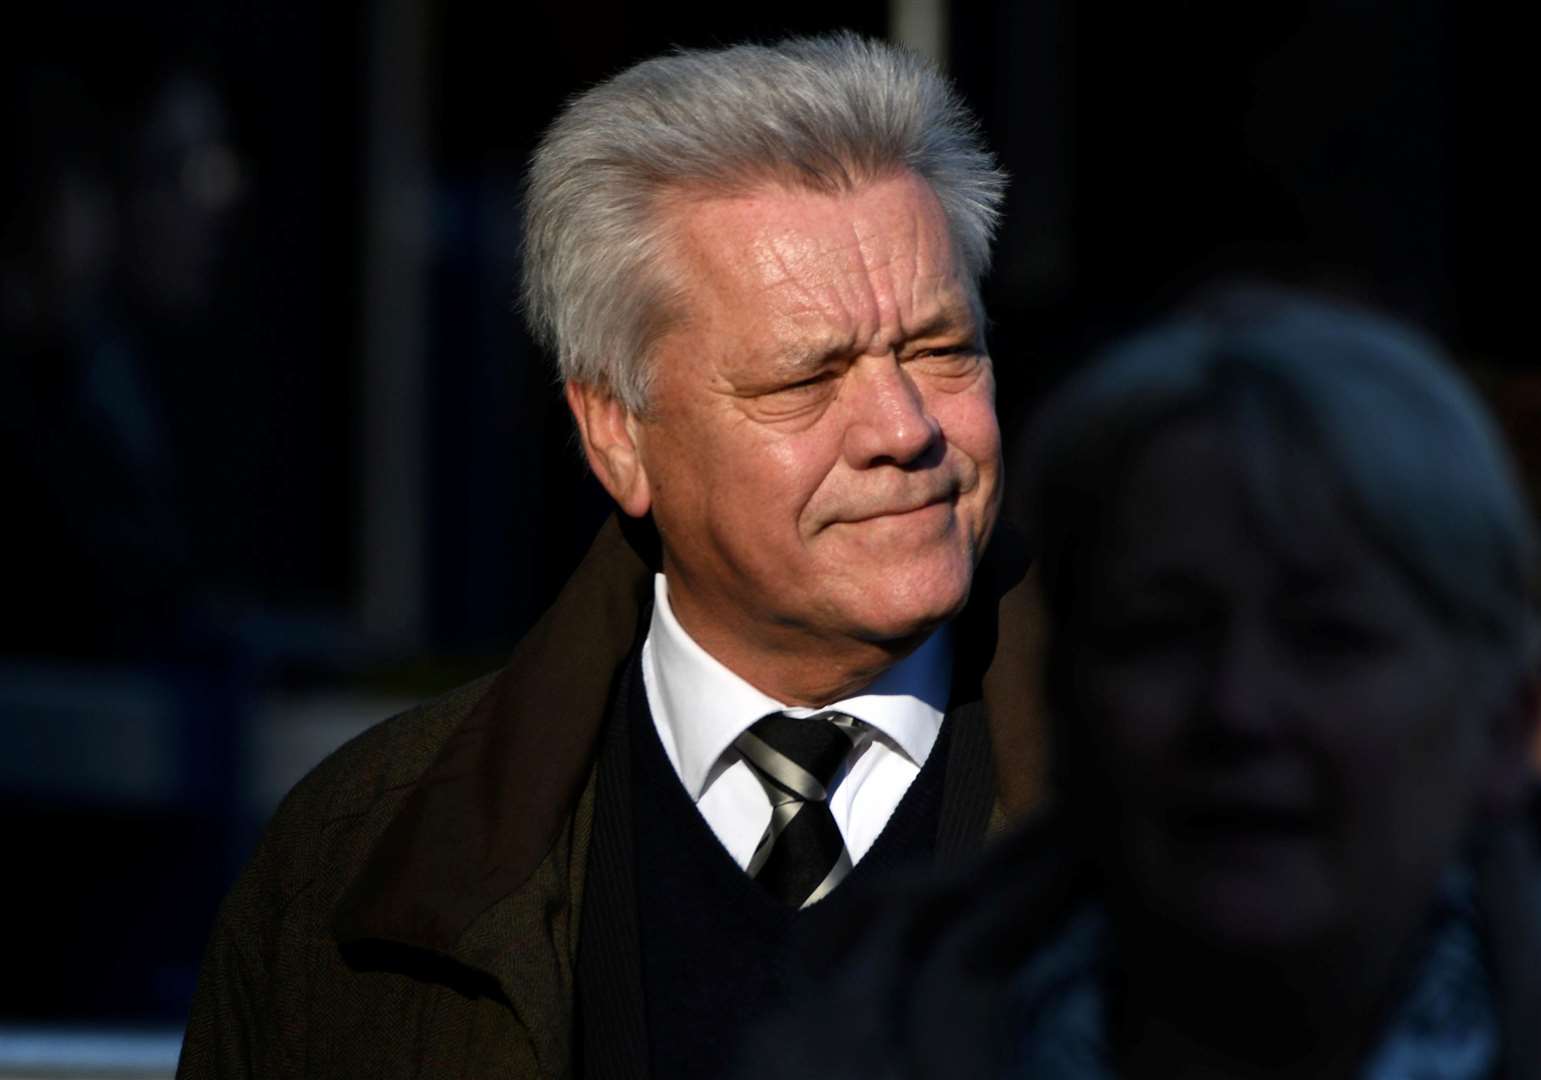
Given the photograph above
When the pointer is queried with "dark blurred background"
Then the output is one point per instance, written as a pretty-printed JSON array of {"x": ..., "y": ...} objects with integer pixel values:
[{"x": 281, "y": 459}]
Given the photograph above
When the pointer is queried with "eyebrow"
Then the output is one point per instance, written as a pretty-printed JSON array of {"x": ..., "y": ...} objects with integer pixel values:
[
  {"x": 800, "y": 359},
  {"x": 953, "y": 318},
  {"x": 807, "y": 356}
]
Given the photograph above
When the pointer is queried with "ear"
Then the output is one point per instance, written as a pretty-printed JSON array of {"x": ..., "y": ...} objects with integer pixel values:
[
  {"x": 609, "y": 431},
  {"x": 1514, "y": 753}
]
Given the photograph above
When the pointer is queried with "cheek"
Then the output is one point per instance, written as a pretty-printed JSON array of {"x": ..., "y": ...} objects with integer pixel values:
[
  {"x": 968, "y": 422},
  {"x": 783, "y": 466},
  {"x": 1133, "y": 748},
  {"x": 1128, "y": 723},
  {"x": 1403, "y": 723},
  {"x": 1426, "y": 766},
  {"x": 1404, "y": 758},
  {"x": 762, "y": 486},
  {"x": 973, "y": 440}
]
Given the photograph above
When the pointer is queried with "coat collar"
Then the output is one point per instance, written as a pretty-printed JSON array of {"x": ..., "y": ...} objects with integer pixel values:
[{"x": 486, "y": 814}]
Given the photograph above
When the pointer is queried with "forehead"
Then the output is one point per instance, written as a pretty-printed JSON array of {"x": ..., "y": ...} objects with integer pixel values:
[
  {"x": 1217, "y": 501},
  {"x": 791, "y": 267}
]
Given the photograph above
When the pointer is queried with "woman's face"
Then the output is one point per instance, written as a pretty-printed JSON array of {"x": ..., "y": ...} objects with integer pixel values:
[{"x": 1281, "y": 742}]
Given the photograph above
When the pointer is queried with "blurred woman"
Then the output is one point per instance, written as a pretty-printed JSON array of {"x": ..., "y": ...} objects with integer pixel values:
[{"x": 1288, "y": 572}]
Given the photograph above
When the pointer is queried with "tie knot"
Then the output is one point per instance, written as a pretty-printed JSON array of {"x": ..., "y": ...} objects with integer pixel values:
[{"x": 801, "y": 754}]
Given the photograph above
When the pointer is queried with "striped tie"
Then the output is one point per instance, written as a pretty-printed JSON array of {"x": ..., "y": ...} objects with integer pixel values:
[{"x": 802, "y": 855}]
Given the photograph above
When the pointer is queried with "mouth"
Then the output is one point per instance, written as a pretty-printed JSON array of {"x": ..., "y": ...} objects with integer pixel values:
[
  {"x": 1243, "y": 821},
  {"x": 944, "y": 499}
]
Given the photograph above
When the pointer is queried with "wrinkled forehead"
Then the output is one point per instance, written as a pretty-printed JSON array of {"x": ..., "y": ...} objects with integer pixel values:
[{"x": 815, "y": 251}]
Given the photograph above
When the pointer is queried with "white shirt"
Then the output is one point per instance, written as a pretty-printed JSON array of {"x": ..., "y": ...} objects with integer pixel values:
[{"x": 700, "y": 707}]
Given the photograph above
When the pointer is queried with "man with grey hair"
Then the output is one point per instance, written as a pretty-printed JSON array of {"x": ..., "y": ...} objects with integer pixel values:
[{"x": 777, "y": 672}]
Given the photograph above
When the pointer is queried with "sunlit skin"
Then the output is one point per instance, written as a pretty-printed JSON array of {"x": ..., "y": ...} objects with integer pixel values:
[
  {"x": 820, "y": 454},
  {"x": 1287, "y": 745}
]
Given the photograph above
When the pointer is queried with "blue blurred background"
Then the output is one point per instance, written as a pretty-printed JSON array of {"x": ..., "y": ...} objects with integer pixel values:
[{"x": 280, "y": 458}]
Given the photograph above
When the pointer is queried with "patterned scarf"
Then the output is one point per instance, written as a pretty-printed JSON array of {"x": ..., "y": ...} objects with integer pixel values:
[{"x": 1444, "y": 1028}]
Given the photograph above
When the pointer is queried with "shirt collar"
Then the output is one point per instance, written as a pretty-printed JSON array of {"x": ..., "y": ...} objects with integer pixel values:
[{"x": 700, "y": 707}]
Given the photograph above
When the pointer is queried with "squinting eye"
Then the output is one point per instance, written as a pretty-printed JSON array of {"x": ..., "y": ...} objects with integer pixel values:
[
  {"x": 948, "y": 360},
  {"x": 806, "y": 384}
]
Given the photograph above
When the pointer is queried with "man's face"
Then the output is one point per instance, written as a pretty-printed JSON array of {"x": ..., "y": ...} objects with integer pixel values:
[{"x": 821, "y": 453}]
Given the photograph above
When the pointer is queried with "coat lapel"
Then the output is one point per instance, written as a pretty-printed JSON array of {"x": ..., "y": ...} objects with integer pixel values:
[{"x": 490, "y": 808}]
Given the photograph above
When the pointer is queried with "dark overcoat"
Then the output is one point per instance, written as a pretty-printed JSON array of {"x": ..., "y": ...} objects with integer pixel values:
[{"x": 413, "y": 908}]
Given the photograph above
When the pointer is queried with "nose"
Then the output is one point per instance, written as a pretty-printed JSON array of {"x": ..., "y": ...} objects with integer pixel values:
[
  {"x": 1243, "y": 701},
  {"x": 890, "y": 422}
]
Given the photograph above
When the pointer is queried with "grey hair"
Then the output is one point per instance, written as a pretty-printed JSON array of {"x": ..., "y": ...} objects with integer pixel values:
[
  {"x": 825, "y": 114},
  {"x": 1418, "y": 459}
]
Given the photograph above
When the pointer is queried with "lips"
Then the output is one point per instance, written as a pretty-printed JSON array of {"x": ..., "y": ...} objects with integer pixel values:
[
  {"x": 899, "y": 507},
  {"x": 1243, "y": 817},
  {"x": 1243, "y": 821}
]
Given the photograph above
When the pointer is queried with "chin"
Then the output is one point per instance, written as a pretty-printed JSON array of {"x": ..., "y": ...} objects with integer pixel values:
[
  {"x": 1251, "y": 920},
  {"x": 893, "y": 598},
  {"x": 918, "y": 616}
]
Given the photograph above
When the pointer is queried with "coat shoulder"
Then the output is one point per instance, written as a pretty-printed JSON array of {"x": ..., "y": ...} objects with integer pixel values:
[
  {"x": 276, "y": 996},
  {"x": 328, "y": 823},
  {"x": 379, "y": 763}
]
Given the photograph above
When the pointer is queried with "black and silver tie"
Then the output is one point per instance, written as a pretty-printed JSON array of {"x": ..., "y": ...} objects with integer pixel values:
[{"x": 802, "y": 855}]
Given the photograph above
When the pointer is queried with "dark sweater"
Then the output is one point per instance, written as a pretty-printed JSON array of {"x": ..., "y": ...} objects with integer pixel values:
[
  {"x": 682, "y": 952},
  {"x": 715, "y": 944}
]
